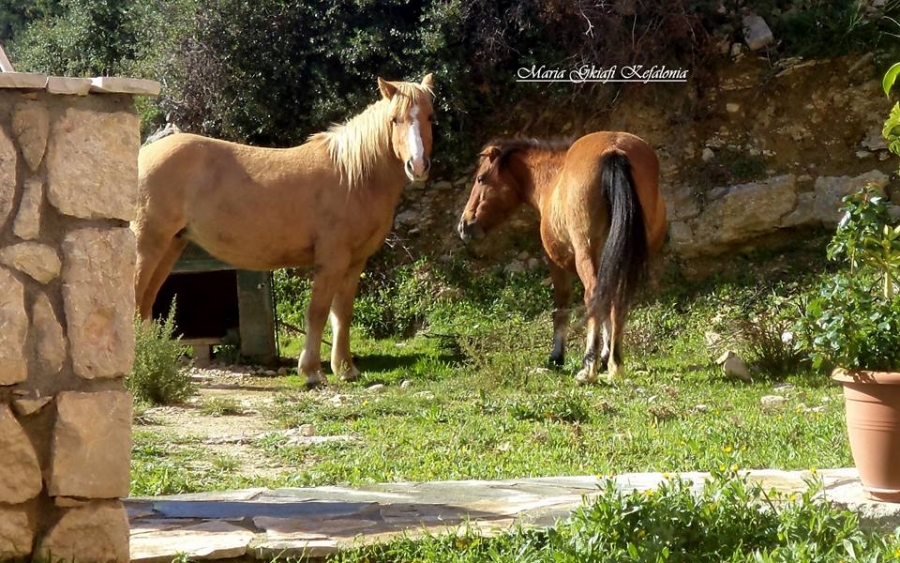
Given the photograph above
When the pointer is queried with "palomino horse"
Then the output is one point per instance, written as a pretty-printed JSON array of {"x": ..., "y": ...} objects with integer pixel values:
[
  {"x": 328, "y": 203},
  {"x": 602, "y": 216}
]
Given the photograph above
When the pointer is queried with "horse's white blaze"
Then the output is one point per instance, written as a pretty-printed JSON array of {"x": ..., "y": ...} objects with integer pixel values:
[{"x": 416, "y": 148}]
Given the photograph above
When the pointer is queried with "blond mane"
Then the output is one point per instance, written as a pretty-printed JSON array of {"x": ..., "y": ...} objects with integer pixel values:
[{"x": 357, "y": 145}]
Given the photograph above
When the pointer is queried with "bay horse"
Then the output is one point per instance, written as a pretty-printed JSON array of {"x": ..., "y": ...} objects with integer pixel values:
[
  {"x": 328, "y": 203},
  {"x": 602, "y": 217}
]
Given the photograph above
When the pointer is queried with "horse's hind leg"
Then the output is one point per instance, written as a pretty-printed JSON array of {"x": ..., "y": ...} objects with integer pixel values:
[
  {"x": 160, "y": 273},
  {"x": 562, "y": 294},
  {"x": 341, "y": 316},
  {"x": 613, "y": 341},
  {"x": 587, "y": 273}
]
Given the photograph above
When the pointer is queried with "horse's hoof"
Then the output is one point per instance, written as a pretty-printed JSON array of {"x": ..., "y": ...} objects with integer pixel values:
[
  {"x": 350, "y": 375},
  {"x": 585, "y": 377},
  {"x": 556, "y": 362},
  {"x": 315, "y": 381}
]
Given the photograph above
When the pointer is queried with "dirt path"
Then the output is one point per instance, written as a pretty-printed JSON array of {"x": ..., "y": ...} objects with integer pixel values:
[{"x": 226, "y": 415}]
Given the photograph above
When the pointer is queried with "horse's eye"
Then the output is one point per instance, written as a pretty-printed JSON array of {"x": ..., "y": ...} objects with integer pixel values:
[
  {"x": 480, "y": 179},
  {"x": 431, "y": 118},
  {"x": 395, "y": 120}
]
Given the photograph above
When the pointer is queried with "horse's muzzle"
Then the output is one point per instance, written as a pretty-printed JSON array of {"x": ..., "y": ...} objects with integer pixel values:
[
  {"x": 469, "y": 230},
  {"x": 417, "y": 171}
]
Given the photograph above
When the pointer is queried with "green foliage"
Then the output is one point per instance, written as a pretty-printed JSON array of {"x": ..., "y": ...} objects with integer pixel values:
[
  {"x": 157, "y": 376},
  {"x": 854, "y": 321},
  {"x": 730, "y": 519}
]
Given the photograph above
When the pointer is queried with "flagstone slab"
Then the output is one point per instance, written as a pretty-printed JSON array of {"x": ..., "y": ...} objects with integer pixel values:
[
  {"x": 318, "y": 522},
  {"x": 206, "y": 541}
]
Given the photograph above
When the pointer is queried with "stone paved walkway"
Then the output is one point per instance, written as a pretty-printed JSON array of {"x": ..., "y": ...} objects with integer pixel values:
[{"x": 261, "y": 523}]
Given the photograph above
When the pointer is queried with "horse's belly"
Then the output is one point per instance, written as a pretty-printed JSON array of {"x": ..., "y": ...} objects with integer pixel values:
[{"x": 255, "y": 250}]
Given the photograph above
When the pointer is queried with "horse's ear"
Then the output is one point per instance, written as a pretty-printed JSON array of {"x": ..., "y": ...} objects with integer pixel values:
[
  {"x": 491, "y": 153},
  {"x": 387, "y": 89},
  {"x": 428, "y": 81}
]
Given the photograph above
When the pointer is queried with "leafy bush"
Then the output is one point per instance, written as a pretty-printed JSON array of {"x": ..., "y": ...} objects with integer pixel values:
[
  {"x": 854, "y": 321},
  {"x": 157, "y": 376}
]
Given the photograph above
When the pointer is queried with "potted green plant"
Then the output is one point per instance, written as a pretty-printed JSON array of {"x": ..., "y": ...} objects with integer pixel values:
[{"x": 852, "y": 326}]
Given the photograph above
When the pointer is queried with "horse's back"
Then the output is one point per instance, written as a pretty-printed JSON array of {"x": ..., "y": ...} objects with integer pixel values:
[{"x": 590, "y": 151}]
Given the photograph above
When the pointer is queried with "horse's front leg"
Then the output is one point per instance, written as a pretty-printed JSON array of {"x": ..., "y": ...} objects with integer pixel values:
[
  {"x": 326, "y": 280},
  {"x": 562, "y": 295},
  {"x": 341, "y": 316}
]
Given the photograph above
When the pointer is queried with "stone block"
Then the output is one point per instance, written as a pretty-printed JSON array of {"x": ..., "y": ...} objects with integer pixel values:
[
  {"x": 48, "y": 337},
  {"x": 746, "y": 211},
  {"x": 68, "y": 85},
  {"x": 97, "y": 533},
  {"x": 20, "y": 472},
  {"x": 91, "y": 445},
  {"x": 804, "y": 214},
  {"x": 14, "y": 321},
  {"x": 23, "y": 80},
  {"x": 27, "y": 407},
  {"x": 27, "y": 225},
  {"x": 16, "y": 533},
  {"x": 8, "y": 161},
  {"x": 831, "y": 189},
  {"x": 98, "y": 296},
  {"x": 92, "y": 164},
  {"x": 118, "y": 85},
  {"x": 31, "y": 127},
  {"x": 39, "y": 261}
]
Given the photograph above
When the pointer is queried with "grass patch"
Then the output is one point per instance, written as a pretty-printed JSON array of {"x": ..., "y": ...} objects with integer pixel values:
[
  {"x": 221, "y": 406},
  {"x": 728, "y": 520}
]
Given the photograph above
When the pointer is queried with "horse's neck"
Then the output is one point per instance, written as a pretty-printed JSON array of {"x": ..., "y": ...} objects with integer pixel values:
[{"x": 535, "y": 172}]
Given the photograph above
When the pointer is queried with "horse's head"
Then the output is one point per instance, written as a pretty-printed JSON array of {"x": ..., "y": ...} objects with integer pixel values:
[
  {"x": 411, "y": 115},
  {"x": 494, "y": 196}
]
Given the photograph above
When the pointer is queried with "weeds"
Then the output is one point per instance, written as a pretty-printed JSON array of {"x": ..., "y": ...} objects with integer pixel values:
[{"x": 157, "y": 377}]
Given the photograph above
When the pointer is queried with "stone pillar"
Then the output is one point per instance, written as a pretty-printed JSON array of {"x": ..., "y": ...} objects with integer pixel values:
[{"x": 68, "y": 187}]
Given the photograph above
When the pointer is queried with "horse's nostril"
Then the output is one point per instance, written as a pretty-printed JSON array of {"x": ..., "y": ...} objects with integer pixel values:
[
  {"x": 427, "y": 164},
  {"x": 409, "y": 166}
]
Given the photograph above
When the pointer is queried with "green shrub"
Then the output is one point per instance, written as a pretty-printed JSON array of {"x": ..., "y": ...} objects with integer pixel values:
[
  {"x": 157, "y": 376},
  {"x": 729, "y": 519}
]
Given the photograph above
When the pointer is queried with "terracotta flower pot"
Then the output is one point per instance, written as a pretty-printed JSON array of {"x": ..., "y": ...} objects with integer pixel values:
[{"x": 872, "y": 401}]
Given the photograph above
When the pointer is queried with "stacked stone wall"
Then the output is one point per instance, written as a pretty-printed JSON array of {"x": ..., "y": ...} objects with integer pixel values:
[{"x": 68, "y": 186}]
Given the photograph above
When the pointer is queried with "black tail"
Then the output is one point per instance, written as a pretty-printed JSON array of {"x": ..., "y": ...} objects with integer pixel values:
[{"x": 623, "y": 263}]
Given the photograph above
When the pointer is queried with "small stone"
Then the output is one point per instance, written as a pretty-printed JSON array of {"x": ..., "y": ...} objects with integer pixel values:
[
  {"x": 427, "y": 395},
  {"x": 270, "y": 373},
  {"x": 757, "y": 33},
  {"x": 31, "y": 127},
  {"x": 707, "y": 154},
  {"x": 27, "y": 225},
  {"x": 338, "y": 400},
  {"x": 443, "y": 185},
  {"x": 98, "y": 294},
  {"x": 16, "y": 533},
  {"x": 307, "y": 430},
  {"x": 533, "y": 263},
  {"x": 27, "y": 407},
  {"x": 712, "y": 340},
  {"x": 20, "y": 472},
  {"x": 377, "y": 388},
  {"x": 49, "y": 341},
  {"x": 91, "y": 445},
  {"x": 863, "y": 154},
  {"x": 700, "y": 408},
  {"x": 772, "y": 401},
  {"x": 92, "y": 163},
  {"x": 282, "y": 371},
  {"x": 734, "y": 366},
  {"x": 736, "y": 50},
  {"x": 14, "y": 323},
  {"x": 39, "y": 261},
  {"x": 732, "y": 108},
  {"x": 405, "y": 384},
  {"x": 97, "y": 533}
]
